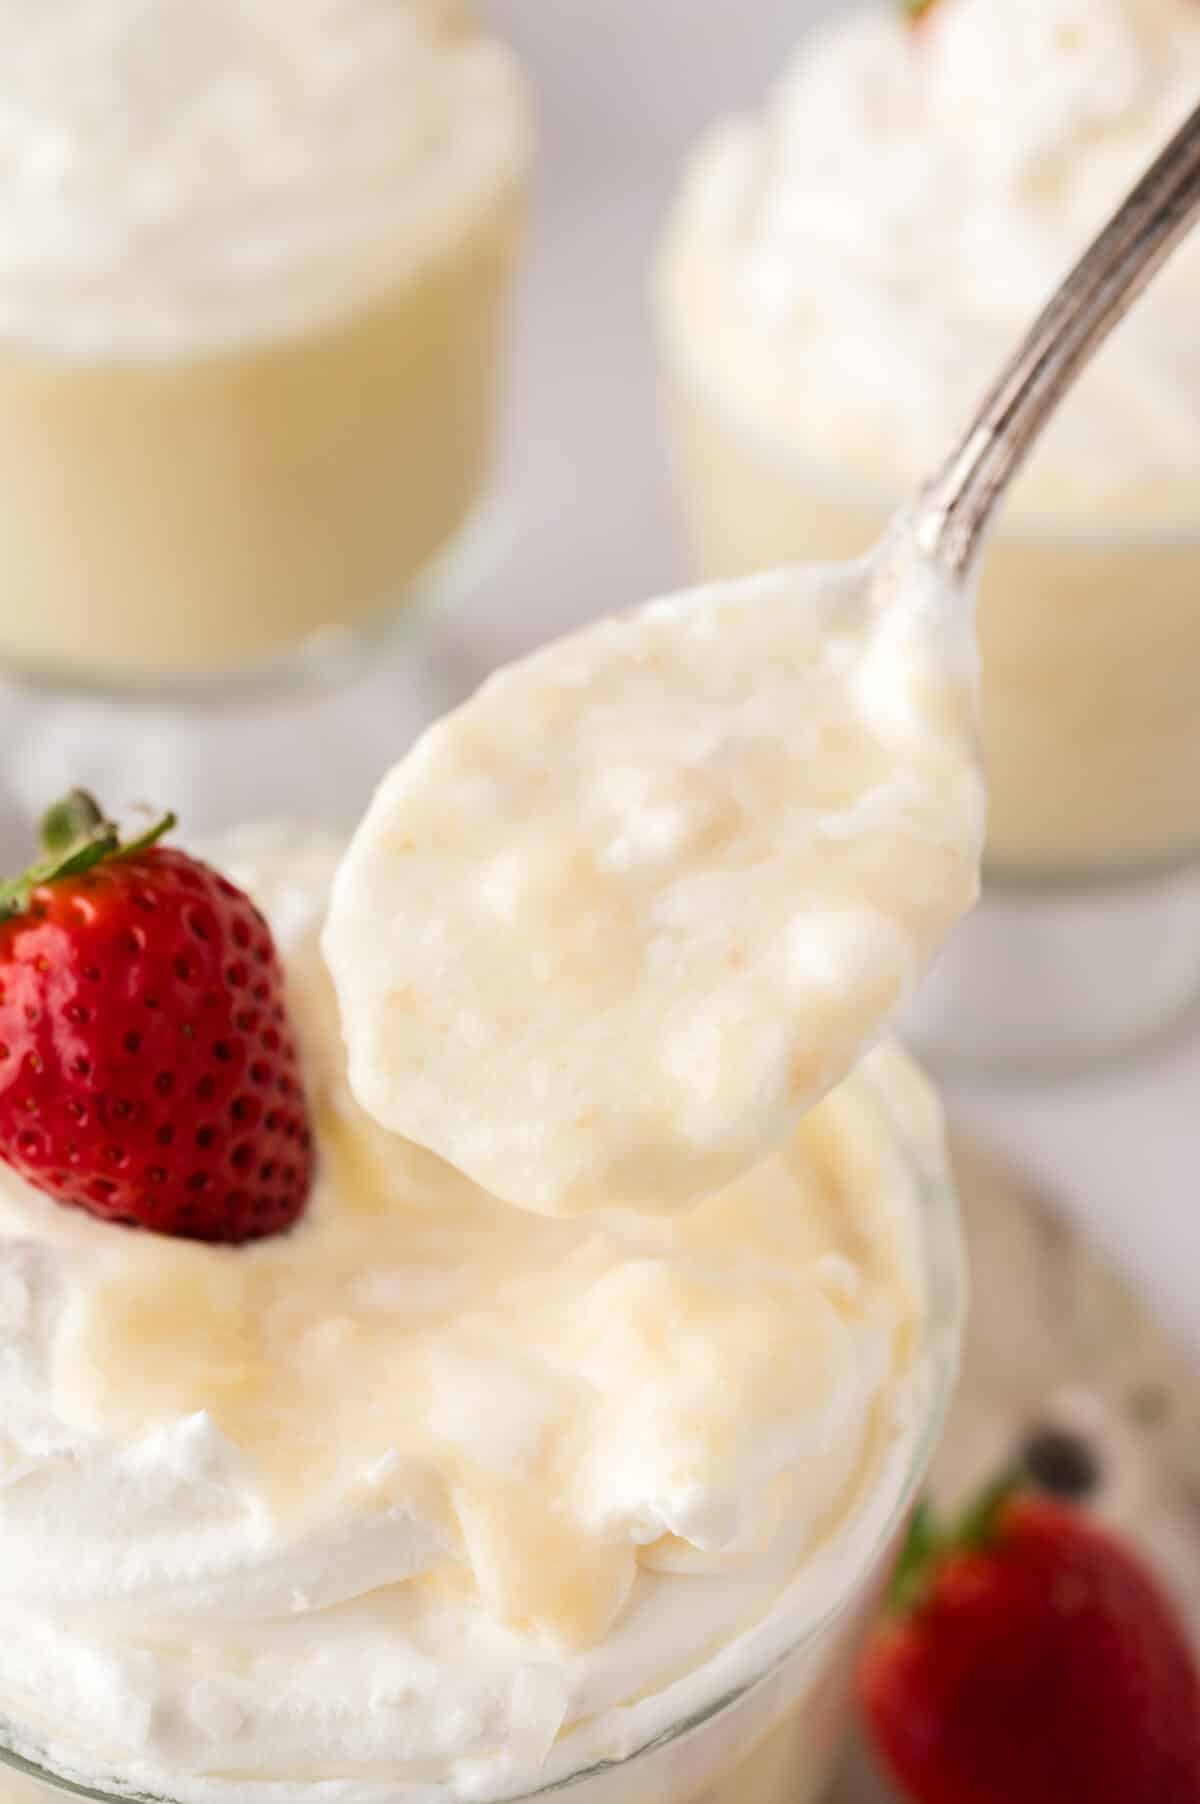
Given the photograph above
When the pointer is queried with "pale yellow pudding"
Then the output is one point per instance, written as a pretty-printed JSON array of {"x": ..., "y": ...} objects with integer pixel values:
[
  {"x": 252, "y": 291},
  {"x": 838, "y": 281}
]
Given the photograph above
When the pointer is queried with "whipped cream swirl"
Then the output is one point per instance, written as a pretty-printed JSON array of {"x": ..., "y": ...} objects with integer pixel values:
[
  {"x": 842, "y": 275},
  {"x": 182, "y": 176}
]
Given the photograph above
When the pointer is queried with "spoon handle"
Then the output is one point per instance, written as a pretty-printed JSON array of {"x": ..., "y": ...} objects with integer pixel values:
[{"x": 953, "y": 510}]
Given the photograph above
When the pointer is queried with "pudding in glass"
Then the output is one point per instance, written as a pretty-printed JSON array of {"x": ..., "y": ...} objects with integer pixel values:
[
  {"x": 253, "y": 275},
  {"x": 838, "y": 280}
]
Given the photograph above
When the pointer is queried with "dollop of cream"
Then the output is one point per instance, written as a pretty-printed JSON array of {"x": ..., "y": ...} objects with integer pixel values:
[
  {"x": 842, "y": 275},
  {"x": 433, "y": 1496},
  {"x": 611, "y": 928},
  {"x": 184, "y": 176}
]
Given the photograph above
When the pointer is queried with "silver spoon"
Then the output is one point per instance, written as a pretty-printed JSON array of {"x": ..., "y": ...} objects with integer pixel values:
[{"x": 952, "y": 512}]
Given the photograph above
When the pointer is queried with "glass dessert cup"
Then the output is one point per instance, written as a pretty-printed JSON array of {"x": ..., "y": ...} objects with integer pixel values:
[
  {"x": 262, "y": 515},
  {"x": 772, "y": 1732},
  {"x": 1086, "y": 942}
]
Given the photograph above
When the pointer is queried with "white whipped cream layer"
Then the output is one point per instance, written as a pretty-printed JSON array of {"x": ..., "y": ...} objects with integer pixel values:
[
  {"x": 433, "y": 1497},
  {"x": 185, "y": 176},
  {"x": 843, "y": 275},
  {"x": 611, "y": 927}
]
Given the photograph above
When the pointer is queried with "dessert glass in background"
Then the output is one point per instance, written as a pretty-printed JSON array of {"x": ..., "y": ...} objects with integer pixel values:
[
  {"x": 253, "y": 276},
  {"x": 834, "y": 286},
  {"x": 211, "y": 1646}
]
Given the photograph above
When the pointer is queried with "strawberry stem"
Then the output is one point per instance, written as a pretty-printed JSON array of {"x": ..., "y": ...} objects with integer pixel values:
[
  {"x": 915, "y": 10},
  {"x": 76, "y": 835},
  {"x": 150, "y": 836}
]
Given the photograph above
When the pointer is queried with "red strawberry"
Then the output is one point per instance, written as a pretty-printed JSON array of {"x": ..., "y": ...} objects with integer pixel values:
[
  {"x": 148, "y": 1070},
  {"x": 1031, "y": 1659}
]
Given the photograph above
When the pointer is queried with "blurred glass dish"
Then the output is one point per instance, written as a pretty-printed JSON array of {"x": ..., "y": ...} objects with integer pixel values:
[
  {"x": 812, "y": 357},
  {"x": 253, "y": 273}
]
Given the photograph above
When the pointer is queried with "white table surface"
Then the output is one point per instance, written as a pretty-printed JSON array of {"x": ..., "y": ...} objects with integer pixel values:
[{"x": 623, "y": 87}]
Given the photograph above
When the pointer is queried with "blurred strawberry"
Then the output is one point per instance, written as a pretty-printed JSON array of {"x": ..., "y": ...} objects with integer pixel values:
[{"x": 1030, "y": 1658}]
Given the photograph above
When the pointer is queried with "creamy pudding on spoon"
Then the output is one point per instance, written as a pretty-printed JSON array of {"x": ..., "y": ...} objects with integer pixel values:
[{"x": 612, "y": 926}]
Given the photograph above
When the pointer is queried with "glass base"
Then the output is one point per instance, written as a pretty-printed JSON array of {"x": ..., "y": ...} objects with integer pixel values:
[
  {"x": 327, "y": 658},
  {"x": 1059, "y": 978}
]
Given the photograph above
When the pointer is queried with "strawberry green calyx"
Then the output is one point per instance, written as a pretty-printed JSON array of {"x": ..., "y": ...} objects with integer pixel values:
[
  {"x": 916, "y": 1560},
  {"x": 915, "y": 10},
  {"x": 929, "y": 1543},
  {"x": 76, "y": 835},
  {"x": 978, "y": 1524},
  {"x": 76, "y": 817}
]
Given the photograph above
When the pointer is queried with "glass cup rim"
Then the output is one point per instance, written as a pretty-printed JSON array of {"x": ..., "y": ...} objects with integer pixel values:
[{"x": 942, "y": 1257}]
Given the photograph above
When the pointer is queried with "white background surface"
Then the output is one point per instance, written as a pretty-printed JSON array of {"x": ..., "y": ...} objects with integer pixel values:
[{"x": 623, "y": 87}]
